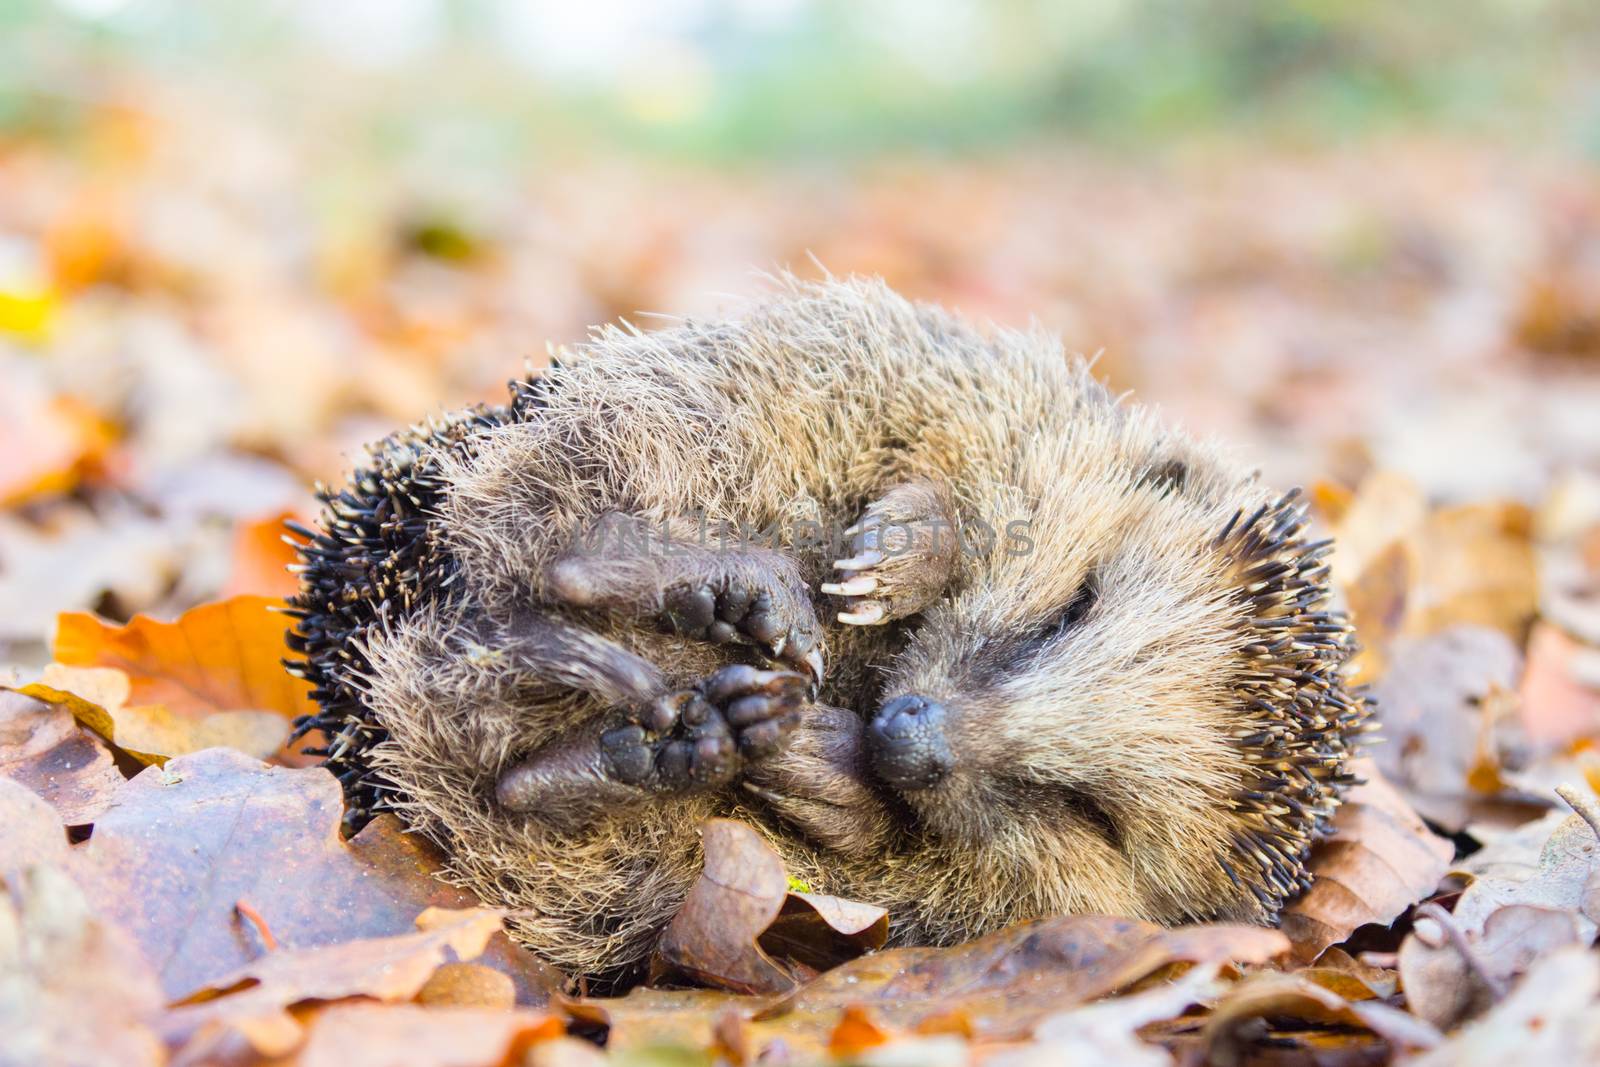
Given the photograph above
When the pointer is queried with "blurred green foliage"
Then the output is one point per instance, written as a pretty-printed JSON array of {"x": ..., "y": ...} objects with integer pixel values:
[{"x": 816, "y": 78}]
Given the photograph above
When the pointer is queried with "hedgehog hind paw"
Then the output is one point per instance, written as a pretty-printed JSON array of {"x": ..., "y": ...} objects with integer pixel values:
[
  {"x": 702, "y": 737},
  {"x": 740, "y": 608}
]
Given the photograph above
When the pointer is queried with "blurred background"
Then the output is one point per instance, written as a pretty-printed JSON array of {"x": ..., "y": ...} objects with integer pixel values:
[{"x": 237, "y": 241}]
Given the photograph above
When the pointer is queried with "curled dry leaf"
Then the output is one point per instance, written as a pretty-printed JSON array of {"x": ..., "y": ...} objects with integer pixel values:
[
  {"x": 1229, "y": 1033},
  {"x": 1566, "y": 863},
  {"x": 1379, "y": 860},
  {"x": 43, "y": 748},
  {"x": 740, "y": 921},
  {"x": 1455, "y": 966},
  {"x": 1408, "y": 570},
  {"x": 73, "y": 989}
]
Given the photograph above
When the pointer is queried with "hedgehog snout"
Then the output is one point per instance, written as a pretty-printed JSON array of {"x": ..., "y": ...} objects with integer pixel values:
[{"x": 907, "y": 743}]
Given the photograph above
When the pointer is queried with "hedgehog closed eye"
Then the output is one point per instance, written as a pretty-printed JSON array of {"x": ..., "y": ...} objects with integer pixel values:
[{"x": 1076, "y": 611}]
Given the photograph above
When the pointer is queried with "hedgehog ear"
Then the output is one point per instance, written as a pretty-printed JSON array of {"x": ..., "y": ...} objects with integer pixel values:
[{"x": 1165, "y": 477}]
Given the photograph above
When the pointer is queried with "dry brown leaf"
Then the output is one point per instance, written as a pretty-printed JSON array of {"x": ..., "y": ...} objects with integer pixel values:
[
  {"x": 402, "y": 1035},
  {"x": 182, "y": 845},
  {"x": 1431, "y": 707},
  {"x": 31, "y": 832},
  {"x": 1106, "y": 1034},
  {"x": 1409, "y": 570},
  {"x": 1378, "y": 861},
  {"x": 1553, "y": 1016},
  {"x": 1377, "y": 601},
  {"x": 1474, "y": 564},
  {"x": 47, "y": 443},
  {"x": 1228, "y": 1036},
  {"x": 1566, "y": 862},
  {"x": 73, "y": 989},
  {"x": 996, "y": 988},
  {"x": 719, "y": 937},
  {"x": 43, "y": 748},
  {"x": 1005, "y": 982},
  {"x": 387, "y": 969}
]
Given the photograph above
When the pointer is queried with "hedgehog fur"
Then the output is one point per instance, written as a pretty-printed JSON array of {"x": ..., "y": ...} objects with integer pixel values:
[{"x": 1136, "y": 705}]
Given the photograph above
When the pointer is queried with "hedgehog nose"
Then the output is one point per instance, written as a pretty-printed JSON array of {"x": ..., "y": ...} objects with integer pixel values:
[{"x": 907, "y": 745}]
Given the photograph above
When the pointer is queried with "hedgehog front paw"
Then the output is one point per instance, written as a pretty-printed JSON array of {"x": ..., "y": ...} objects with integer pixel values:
[
  {"x": 905, "y": 549},
  {"x": 738, "y": 608},
  {"x": 819, "y": 784},
  {"x": 703, "y": 736}
]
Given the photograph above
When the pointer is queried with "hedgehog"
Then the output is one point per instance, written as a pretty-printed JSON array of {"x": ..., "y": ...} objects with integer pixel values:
[{"x": 961, "y": 633}]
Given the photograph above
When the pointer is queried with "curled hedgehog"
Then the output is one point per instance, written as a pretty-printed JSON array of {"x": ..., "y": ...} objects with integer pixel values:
[{"x": 1061, "y": 657}]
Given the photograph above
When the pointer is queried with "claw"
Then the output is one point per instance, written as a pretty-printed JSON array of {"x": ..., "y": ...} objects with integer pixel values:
[
  {"x": 860, "y": 585},
  {"x": 813, "y": 664},
  {"x": 859, "y": 562},
  {"x": 869, "y": 614}
]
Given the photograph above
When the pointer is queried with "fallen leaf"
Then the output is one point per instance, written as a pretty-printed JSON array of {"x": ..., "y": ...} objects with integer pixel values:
[
  {"x": 741, "y": 912},
  {"x": 855, "y": 1033},
  {"x": 1378, "y": 860},
  {"x": 43, "y": 748},
  {"x": 1377, "y": 600},
  {"x": 1556, "y": 707},
  {"x": 261, "y": 559},
  {"x": 1474, "y": 564},
  {"x": 48, "y": 443},
  {"x": 468, "y": 985},
  {"x": 1430, "y": 707},
  {"x": 1106, "y": 1034},
  {"x": 392, "y": 968},
  {"x": 1567, "y": 860},
  {"x": 1005, "y": 982},
  {"x": 1552, "y": 1016},
  {"x": 1386, "y": 509},
  {"x": 1455, "y": 965},
  {"x": 821, "y": 932},
  {"x": 153, "y": 733},
  {"x": 182, "y": 845},
  {"x": 31, "y": 832},
  {"x": 73, "y": 989},
  {"x": 1230, "y": 1037},
  {"x": 222, "y": 656},
  {"x": 400, "y": 1035}
]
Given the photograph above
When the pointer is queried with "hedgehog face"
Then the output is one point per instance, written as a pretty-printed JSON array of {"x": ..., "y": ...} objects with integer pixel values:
[{"x": 1084, "y": 690}]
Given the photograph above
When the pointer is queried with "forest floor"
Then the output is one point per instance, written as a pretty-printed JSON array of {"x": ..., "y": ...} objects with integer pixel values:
[{"x": 196, "y": 323}]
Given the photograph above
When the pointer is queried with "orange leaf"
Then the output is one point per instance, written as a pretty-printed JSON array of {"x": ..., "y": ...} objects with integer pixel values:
[
  {"x": 261, "y": 559},
  {"x": 222, "y": 656},
  {"x": 855, "y": 1033}
]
